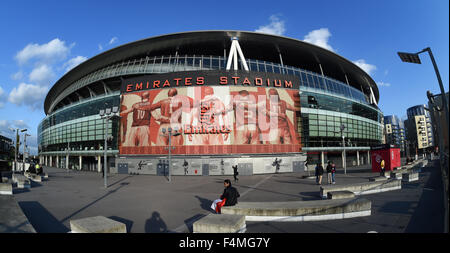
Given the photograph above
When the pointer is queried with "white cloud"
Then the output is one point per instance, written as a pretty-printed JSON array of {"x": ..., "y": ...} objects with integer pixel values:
[
  {"x": 368, "y": 68},
  {"x": 72, "y": 63},
  {"x": 383, "y": 84},
  {"x": 100, "y": 47},
  {"x": 319, "y": 38},
  {"x": 20, "y": 124},
  {"x": 113, "y": 40},
  {"x": 6, "y": 125},
  {"x": 46, "y": 53},
  {"x": 28, "y": 94},
  {"x": 17, "y": 76},
  {"x": 42, "y": 75},
  {"x": 276, "y": 26}
]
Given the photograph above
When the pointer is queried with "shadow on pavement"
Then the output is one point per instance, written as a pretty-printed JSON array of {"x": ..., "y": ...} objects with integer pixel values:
[
  {"x": 41, "y": 219},
  {"x": 20, "y": 190},
  {"x": 310, "y": 195},
  {"x": 119, "y": 181},
  {"x": 189, "y": 222},
  {"x": 399, "y": 207},
  {"x": 155, "y": 224},
  {"x": 95, "y": 201},
  {"x": 205, "y": 204}
]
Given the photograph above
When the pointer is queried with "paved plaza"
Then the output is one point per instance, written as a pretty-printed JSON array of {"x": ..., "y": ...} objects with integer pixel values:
[{"x": 149, "y": 204}]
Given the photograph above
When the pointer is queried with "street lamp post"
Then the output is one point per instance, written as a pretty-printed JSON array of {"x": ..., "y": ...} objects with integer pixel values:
[
  {"x": 107, "y": 114},
  {"x": 344, "y": 157},
  {"x": 15, "y": 147},
  {"x": 343, "y": 146},
  {"x": 171, "y": 133},
  {"x": 414, "y": 58},
  {"x": 24, "y": 146}
]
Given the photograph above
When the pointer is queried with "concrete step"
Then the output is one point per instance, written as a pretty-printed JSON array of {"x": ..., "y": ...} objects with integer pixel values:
[
  {"x": 6, "y": 189},
  {"x": 340, "y": 195},
  {"x": 312, "y": 210},
  {"x": 97, "y": 224},
  {"x": 363, "y": 188},
  {"x": 220, "y": 223}
]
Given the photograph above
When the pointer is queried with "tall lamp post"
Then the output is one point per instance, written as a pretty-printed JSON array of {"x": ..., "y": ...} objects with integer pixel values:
[
  {"x": 171, "y": 132},
  {"x": 414, "y": 58},
  {"x": 344, "y": 157},
  {"x": 24, "y": 146},
  {"x": 107, "y": 114},
  {"x": 16, "y": 148}
]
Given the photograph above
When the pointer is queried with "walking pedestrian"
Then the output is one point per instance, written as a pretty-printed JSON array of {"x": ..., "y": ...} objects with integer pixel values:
[
  {"x": 319, "y": 173},
  {"x": 333, "y": 172},
  {"x": 329, "y": 173},
  {"x": 235, "y": 173}
]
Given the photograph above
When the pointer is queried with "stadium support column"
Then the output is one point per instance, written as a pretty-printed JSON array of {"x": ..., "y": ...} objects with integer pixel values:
[
  {"x": 80, "y": 162},
  {"x": 322, "y": 157},
  {"x": 57, "y": 161},
  {"x": 357, "y": 157},
  {"x": 99, "y": 163},
  {"x": 368, "y": 157},
  {"x": 51, "y": 160}
]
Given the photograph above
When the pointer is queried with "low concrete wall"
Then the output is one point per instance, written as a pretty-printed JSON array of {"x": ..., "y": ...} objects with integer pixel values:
[
  {"x": 220, "y": 223},
  {"x": 97, "y": 224},
  {"x": 377, "y": 179},
  {"x": 6, "y": 189},
  {"x": 410, "y": 177},
  {"x": 363, "y": 188},
  {"x": 340, "y": 195},
  {"x": 301, "y": 210},
  {"x": 22, "y": 181},
  {"x": 12, "y": 218}
]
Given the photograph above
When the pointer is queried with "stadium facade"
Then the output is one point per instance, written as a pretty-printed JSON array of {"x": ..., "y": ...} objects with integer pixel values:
[{"x": 236, "y": 98}]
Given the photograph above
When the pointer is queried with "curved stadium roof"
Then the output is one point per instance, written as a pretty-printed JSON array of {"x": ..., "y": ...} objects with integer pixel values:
[{"x": 257, "y": 46}]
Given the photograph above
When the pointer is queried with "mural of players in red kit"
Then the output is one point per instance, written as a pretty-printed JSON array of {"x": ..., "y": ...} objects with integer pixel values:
[{"x": 213, "y": 114}]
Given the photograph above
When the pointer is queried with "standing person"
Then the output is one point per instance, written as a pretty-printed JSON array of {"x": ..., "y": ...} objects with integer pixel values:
[
  {"x": 38, "y": 169},
  {"x": 329, "y": 168},
  {"x": 333, "y": 172},
  {"x": 382, "y": 172},
  {"x": 319, "y": 173},
  {"x": 235, "y": 173}
]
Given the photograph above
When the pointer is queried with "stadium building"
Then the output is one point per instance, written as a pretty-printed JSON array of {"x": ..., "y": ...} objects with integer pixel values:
[{"x": 263, "y": 102}]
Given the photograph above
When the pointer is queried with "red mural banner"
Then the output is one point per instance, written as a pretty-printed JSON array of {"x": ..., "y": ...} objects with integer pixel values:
[{"x": 210, "y": 119}]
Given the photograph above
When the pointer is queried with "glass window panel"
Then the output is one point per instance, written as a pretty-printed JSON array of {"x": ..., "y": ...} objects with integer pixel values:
[
  {"x": 310, "y": 81},
  {"x": 276, "y": 69},
  {"x": 304, "y": 79}
]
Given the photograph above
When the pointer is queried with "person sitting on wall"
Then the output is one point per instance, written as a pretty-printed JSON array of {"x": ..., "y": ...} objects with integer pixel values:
[
  {"x": 32, "y": 168},
  {"x": 228, "y": 198}
]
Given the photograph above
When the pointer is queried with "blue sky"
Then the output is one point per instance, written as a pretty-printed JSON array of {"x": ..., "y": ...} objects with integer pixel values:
[{"x": 41, "y": 40}]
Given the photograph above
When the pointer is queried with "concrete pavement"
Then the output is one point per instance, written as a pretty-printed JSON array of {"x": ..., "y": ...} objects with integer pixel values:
[{"x": 152, "y": 204}]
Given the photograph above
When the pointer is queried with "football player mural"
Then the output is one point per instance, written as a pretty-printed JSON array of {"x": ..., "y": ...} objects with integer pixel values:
[{"x": 214, "y": 113}]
